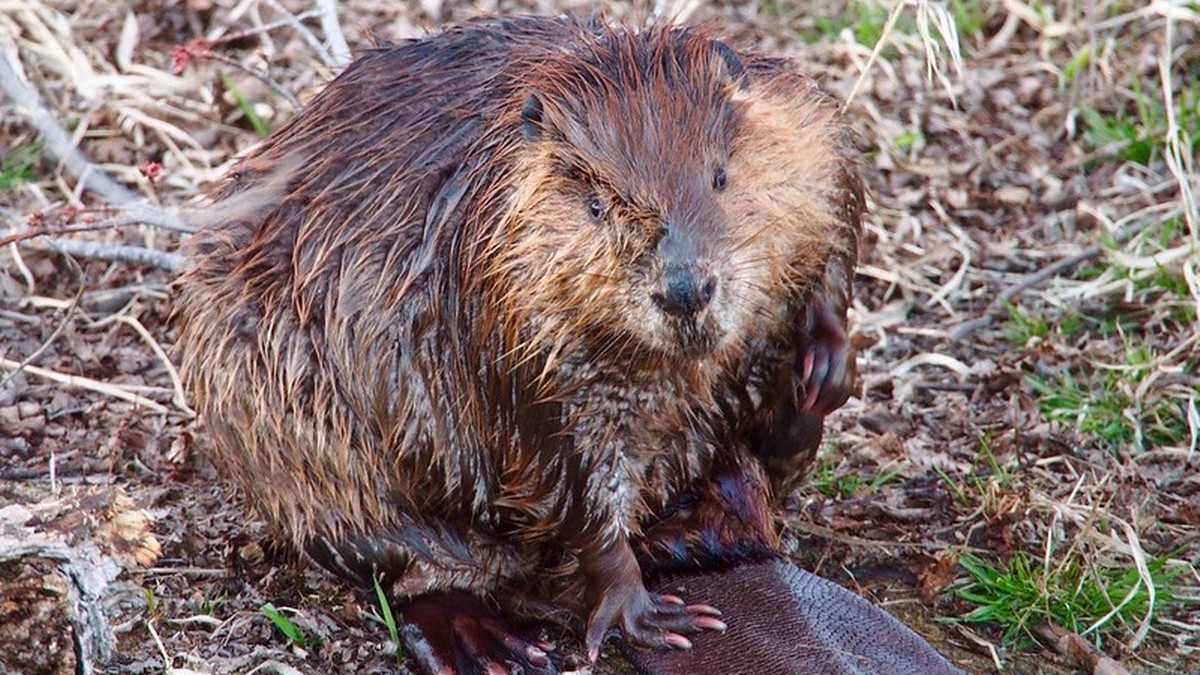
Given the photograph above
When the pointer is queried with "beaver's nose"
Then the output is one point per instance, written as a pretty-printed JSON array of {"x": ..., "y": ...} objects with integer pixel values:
[{"x": 685, "y": 293}]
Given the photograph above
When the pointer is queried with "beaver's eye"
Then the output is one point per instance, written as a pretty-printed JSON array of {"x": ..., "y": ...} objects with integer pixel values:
[
  {"x": 596, "y": 208},
  {"x": 719, "y": 178}
]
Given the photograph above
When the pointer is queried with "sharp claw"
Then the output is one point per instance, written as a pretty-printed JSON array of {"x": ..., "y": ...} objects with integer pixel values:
[
  {"x": 677, "y": 641},
  {"x": 711, "y": 623},
  {"x": 704, "y": 609},
  {"x": 467, "y": 634},
  {"x": 536, "y": 656},
  {"x": 816, "y": 385},
  {"x": 595, "y": 637},
  {"x": 806, "y": 371},
  {"x": 670, "y": 599}
]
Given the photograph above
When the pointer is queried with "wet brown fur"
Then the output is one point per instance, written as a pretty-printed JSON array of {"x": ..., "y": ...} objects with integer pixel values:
[{"x": 419, "y": 358}]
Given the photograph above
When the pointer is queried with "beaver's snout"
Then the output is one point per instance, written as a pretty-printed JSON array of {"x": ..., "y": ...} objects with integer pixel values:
[
  {"x": 686, "y": 285},
  {"x": 686, "y": 291}
]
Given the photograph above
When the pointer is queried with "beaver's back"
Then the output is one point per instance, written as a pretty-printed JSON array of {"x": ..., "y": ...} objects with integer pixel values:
[
  {"x": 321, "y": 290},
  {"x": 374, "y": 147}
]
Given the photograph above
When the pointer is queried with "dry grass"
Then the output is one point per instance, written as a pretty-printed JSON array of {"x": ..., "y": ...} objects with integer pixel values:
[{"x": 1027, "y": 312}]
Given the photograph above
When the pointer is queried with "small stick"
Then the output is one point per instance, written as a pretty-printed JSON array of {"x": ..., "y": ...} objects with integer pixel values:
[
  {"x": 1073, "y": 646},
  {"x": 996, "y": 306},
  {"x": 200, "y": 572},
  {"x": 180, "y": 398},
  {"x": 171, "y": 262},
  {"x": 305, "y": 33},
  {"x": 60, "y": 147},
  {"x": 38, "y": 227},
  {"x": 333, "y": 32},
  {"x": 72, "y": 306},
  {"x": 829, "y": 533},
  {"x": 158, "y": 641},
  {"x": 201, "y": 47},
  {"x": 261, "y": 77},
  {"x": 86, "y": 383}
]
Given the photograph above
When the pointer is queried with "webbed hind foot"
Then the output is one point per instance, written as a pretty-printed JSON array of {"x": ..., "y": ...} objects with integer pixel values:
[{"x": 457, "y": 633}]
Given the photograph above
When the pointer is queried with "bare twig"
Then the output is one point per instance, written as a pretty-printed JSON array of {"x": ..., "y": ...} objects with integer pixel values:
[
  {"x": 264, "y": 28},
  {"x": 996, "y": 307},
  {"x": 260, "y": 76},
  {"x": 814, "y": 529},
  {"x": 58, "y": 144},
  {"x": 180, "y": 398},
  {"x": 1079, "y": 650},
  {"x": 72, "y": 306},
  {"x": 60, "y": 147},
  {"x": 86, "y": 383},
  {"x": 305, "y": 33},
  {"x": 159, "y": 643},
  {"x": 172, "y": 262},
  {"x": 195, "y": 572},
  {"x": 333, "y": 32},
  {"x": 84, "y": 225}
]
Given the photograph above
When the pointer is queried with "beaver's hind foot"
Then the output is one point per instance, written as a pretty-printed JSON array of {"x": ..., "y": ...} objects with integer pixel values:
[{"x": 456, "y": 633}]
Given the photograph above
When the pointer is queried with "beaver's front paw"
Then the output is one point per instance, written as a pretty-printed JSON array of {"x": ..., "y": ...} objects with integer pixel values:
[
  {"x": 825, "y": 361},
  {"x": 647, "y": 619}
]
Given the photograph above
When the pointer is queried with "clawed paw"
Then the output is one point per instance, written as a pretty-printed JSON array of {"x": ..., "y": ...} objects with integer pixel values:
[
  {"x": 455, "y": 634},
  {"x": 649, "y": 620},
  {"x": 825, "y": 363}
]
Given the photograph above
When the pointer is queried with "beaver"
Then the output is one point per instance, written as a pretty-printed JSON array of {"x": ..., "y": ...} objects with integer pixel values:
[{"x": 512, "y": 317}]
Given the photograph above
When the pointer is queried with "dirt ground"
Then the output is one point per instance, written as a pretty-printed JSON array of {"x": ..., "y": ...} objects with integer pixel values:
[{"x": 1026, "y": 312}]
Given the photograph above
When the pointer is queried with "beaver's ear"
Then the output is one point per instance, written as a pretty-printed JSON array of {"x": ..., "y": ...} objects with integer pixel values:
[
  {"x": 531, "y": 118},
  {"x": 732, "y": 68}
]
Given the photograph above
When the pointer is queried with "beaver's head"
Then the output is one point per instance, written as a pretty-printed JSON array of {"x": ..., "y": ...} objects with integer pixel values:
[{"x": 668, "y": 201}]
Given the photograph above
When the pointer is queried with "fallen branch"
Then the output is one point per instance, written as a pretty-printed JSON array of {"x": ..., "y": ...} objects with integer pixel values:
[
  {"x": 306, "y": 34},
  {"x": 72, "y": 307},
  {"x": 59, "y": 146},
  {"x": 136, "y": 255},
  {"x": 333, "y": 32},
  {"x": 997, "y": 306},
  {"x": 1084, "y": 655},
  {"x": 86, "y": 383}
]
